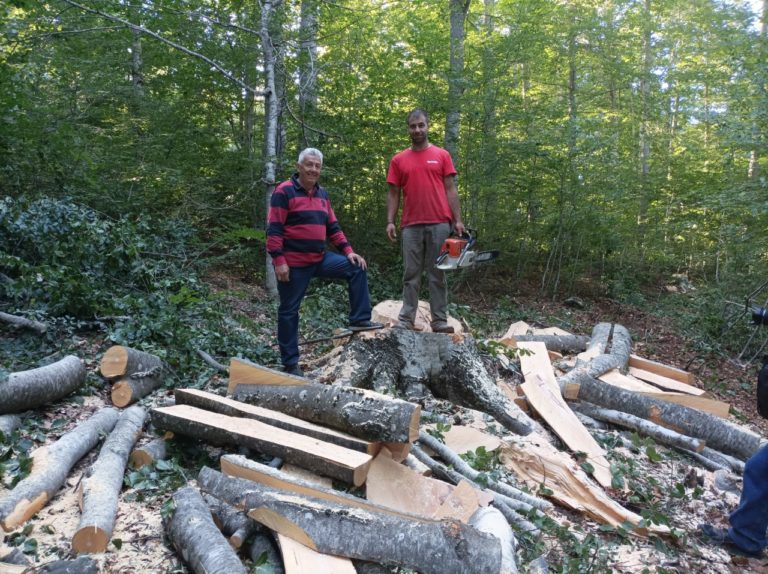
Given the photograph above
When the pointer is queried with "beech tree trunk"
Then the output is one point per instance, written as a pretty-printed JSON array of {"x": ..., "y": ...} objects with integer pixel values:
[
  {"x": 195, "y": 536},
  {"x": 101, "y": 490},
  {"x": 8, "y": 424},
  {"x": 616, "y": 358},
  {"x": 148, "y": 453},
  {"x": 30, "y": 389},
  {"x": 560, "y": 343},
  {"x": 120, "y": 361},
  {"x": 234, "y": 524},
  {"x": 80, "y": 565},
  {"x": 50, "y": 467},
  {"x": 431, "y": 547},
  {"x": 361, "y": 413},
  {"x": 130, "y": 389},
  {"x": 410, "y": 361},
  {"x": 24, "y": 323},
  {"x": 718, "y": 434}
]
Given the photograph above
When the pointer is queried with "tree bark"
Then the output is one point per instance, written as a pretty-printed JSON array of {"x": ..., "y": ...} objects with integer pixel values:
[
  {"x": 101, "y": 490},
  {"x": 616, "y": 358},
  {"x": 561, "y": 343},
  {"x": 50, "y": 467},
  {"x": 120, "y": 361},
  {"x": 80, "y": 565},
  {"x": 196, "y": 538},
  {"x": 234, "y": 524},
  {"x": 148, "y": 453},
  {"x": 232, "y": 408},
  {"x": 656, "y": 432},
  {"x": 406, "y": 360},
  {"x": 361, "y": 413},
  {"x": 717, "y": 433},
  {"x": 24, "y": 323},
  {"x": 30, "y": 389},
  {"x": 431, "y": 547},
  {"x": 456, "y": 79},
  {"x": 8, "y": 424},
  {"x": 132, "y": 388}
]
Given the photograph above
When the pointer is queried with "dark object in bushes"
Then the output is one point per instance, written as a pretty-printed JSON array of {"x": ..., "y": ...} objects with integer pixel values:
[
  {"x": 762, "y": 389},
  {"x": 760, "y": 315}
]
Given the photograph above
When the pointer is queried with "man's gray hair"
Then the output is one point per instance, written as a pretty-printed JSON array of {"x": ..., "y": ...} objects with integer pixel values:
[{"x": 310, "y": 151}]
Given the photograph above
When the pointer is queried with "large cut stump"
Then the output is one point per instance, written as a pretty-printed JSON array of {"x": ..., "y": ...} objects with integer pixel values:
[
  {"x": 30, "y": 389},
  {"x": 406, "y": 360},
  {"x": 388, "y": 311},
  {"x": 50, "y": 467},
  {"x": 193, "y": 533},
  {"x": 101, "y": 490},
  {"x": 431, "y": 547},
  {"x": 359, "y": 412}
]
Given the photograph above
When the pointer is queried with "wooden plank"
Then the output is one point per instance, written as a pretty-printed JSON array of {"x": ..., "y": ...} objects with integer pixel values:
[
  {"x": 460, "y": 504},
  {"x": 705, "y": 404},
  {"x": 518, "y": 328},
  {"x": 232, "y": 408},
  {"x": 243, "y": 372},
  {"x": 665, "y": 382},
  {"x": 543, "y": 393},
  {"x": 322, "y": 457},
  {"x": 299, "y": 559},
  {"x": 552, "y": 331},
  {"x": 661, "y": 369},
  {"x": 398, "y": 451},
  {"x": 461, "y": 439},
  {"x": 617, "y": 379}
]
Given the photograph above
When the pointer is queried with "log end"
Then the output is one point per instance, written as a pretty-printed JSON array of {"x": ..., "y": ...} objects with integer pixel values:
[
  {"x": 23, "y": 511},
  {"x": 360, "y": 473},
  {"x": 114, "y": 362},
  {"x": 122, "y": 394},
  {"x": 140, "y": 458},
  {"x": 413, "y": 430},
  {"x": 90, "y": 540}
]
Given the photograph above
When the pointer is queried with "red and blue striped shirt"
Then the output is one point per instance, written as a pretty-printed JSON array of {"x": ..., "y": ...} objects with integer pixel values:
[{"x": 299, "y": 223}]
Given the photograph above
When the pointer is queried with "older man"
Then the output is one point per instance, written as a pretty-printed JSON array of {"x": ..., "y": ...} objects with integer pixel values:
[{"x": 301, "y": 220}]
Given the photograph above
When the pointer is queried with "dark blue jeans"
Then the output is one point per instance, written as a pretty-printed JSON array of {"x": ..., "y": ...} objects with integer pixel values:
[
  {"x": 333, "y": 266},
  {"x": 750, "y": 520}
]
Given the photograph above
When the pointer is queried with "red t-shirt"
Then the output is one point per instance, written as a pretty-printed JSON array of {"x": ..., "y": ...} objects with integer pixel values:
[{"x": 420, "y": 174}]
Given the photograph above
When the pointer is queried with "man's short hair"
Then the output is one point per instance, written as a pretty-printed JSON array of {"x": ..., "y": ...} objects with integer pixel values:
[
  {"x": 416, "y": 112},
  {"x": 310, "y": 151}
]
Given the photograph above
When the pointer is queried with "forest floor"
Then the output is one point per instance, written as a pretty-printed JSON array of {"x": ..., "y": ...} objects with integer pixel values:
[{"x": 142, "y": 547}]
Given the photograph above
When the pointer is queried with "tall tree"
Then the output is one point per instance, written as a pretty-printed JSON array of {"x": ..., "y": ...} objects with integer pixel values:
[{"x": 456, "y": 77}]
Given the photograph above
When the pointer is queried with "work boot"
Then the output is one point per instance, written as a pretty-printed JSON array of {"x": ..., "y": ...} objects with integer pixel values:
[
  {"x": 365, "y": 326},
  {"x": 720, "y": 537},
  {"x": 442, "y": 329},
  {"x": 403, "y": 325},
  {"x": 294, "y": 370}
]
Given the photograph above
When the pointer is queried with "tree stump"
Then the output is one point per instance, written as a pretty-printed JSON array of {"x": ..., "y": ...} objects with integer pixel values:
[
  {"x": 406, "y": 362},
  {"x": 30, "y": 389}
]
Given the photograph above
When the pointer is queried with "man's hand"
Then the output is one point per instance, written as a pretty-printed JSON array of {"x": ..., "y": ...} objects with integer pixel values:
[
  {"x": 458, "y": 228},
  {"x": 391, "y": 232},
  {"x": 356, "y": 259},
  {"x": 282, "y": 272}
]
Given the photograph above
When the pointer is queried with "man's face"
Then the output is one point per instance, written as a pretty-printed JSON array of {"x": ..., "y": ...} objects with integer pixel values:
[
  {"x": 418, "y": 129},
  {"x": 309, "y": 170}
]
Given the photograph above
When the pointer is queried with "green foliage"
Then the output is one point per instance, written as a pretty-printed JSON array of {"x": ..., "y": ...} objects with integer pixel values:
[
  {"x": 23, "y": 540},
  {"x": 438, "y": 431},
  {"x": 154, "y": 480}
]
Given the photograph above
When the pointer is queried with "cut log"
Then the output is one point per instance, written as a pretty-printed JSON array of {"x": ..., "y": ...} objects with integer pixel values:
[
  {"x": 324, "y": 458},
  {"x": 50, "y": 467},
  {"x": 492, "y": 521},
  {"x": 30, "y": 389},
  {"x": 660, "y": 369},
  {"x": 263, "y": 550},
  {"x": 718, "y": 434},
  {"x": 534, "y": 460},
  {"x": 232, "y": 408},
  {"x": 101, "y": 489},
  {"x": 234, "y": 524},
  {"x": 361, "y": 413},
  {"x": 24, "y": 323},
  {"x": 148, "y": 453},
  {"x": 562, "y": 343},
  {"x": 642, "y": 426},
  {"x": 542, "y": 392},
  {"x": 196, "y": 538},
  {"x": 134, "y": 387},
  {"x": 80, "y": 565},
  {"x": 120, "y": 361},
  {"x": 598, "y": 343},
  {"x": 8, "y": 424},
  {"x": 439, "y": 547}
]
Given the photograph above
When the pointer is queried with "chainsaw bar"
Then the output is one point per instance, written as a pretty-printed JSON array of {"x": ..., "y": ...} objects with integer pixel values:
[{"x": 486, "y": 256}]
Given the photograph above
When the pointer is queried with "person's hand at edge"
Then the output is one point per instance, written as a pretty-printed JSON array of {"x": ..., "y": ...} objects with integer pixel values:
[{"x": 358, "y": 260}]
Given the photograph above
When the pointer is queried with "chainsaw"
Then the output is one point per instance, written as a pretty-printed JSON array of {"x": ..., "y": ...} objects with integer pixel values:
[{"x": 460, "y": 251}]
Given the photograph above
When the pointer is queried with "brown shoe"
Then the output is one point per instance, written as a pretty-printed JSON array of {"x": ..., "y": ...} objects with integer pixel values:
[{"x": 442, "y": 329}]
